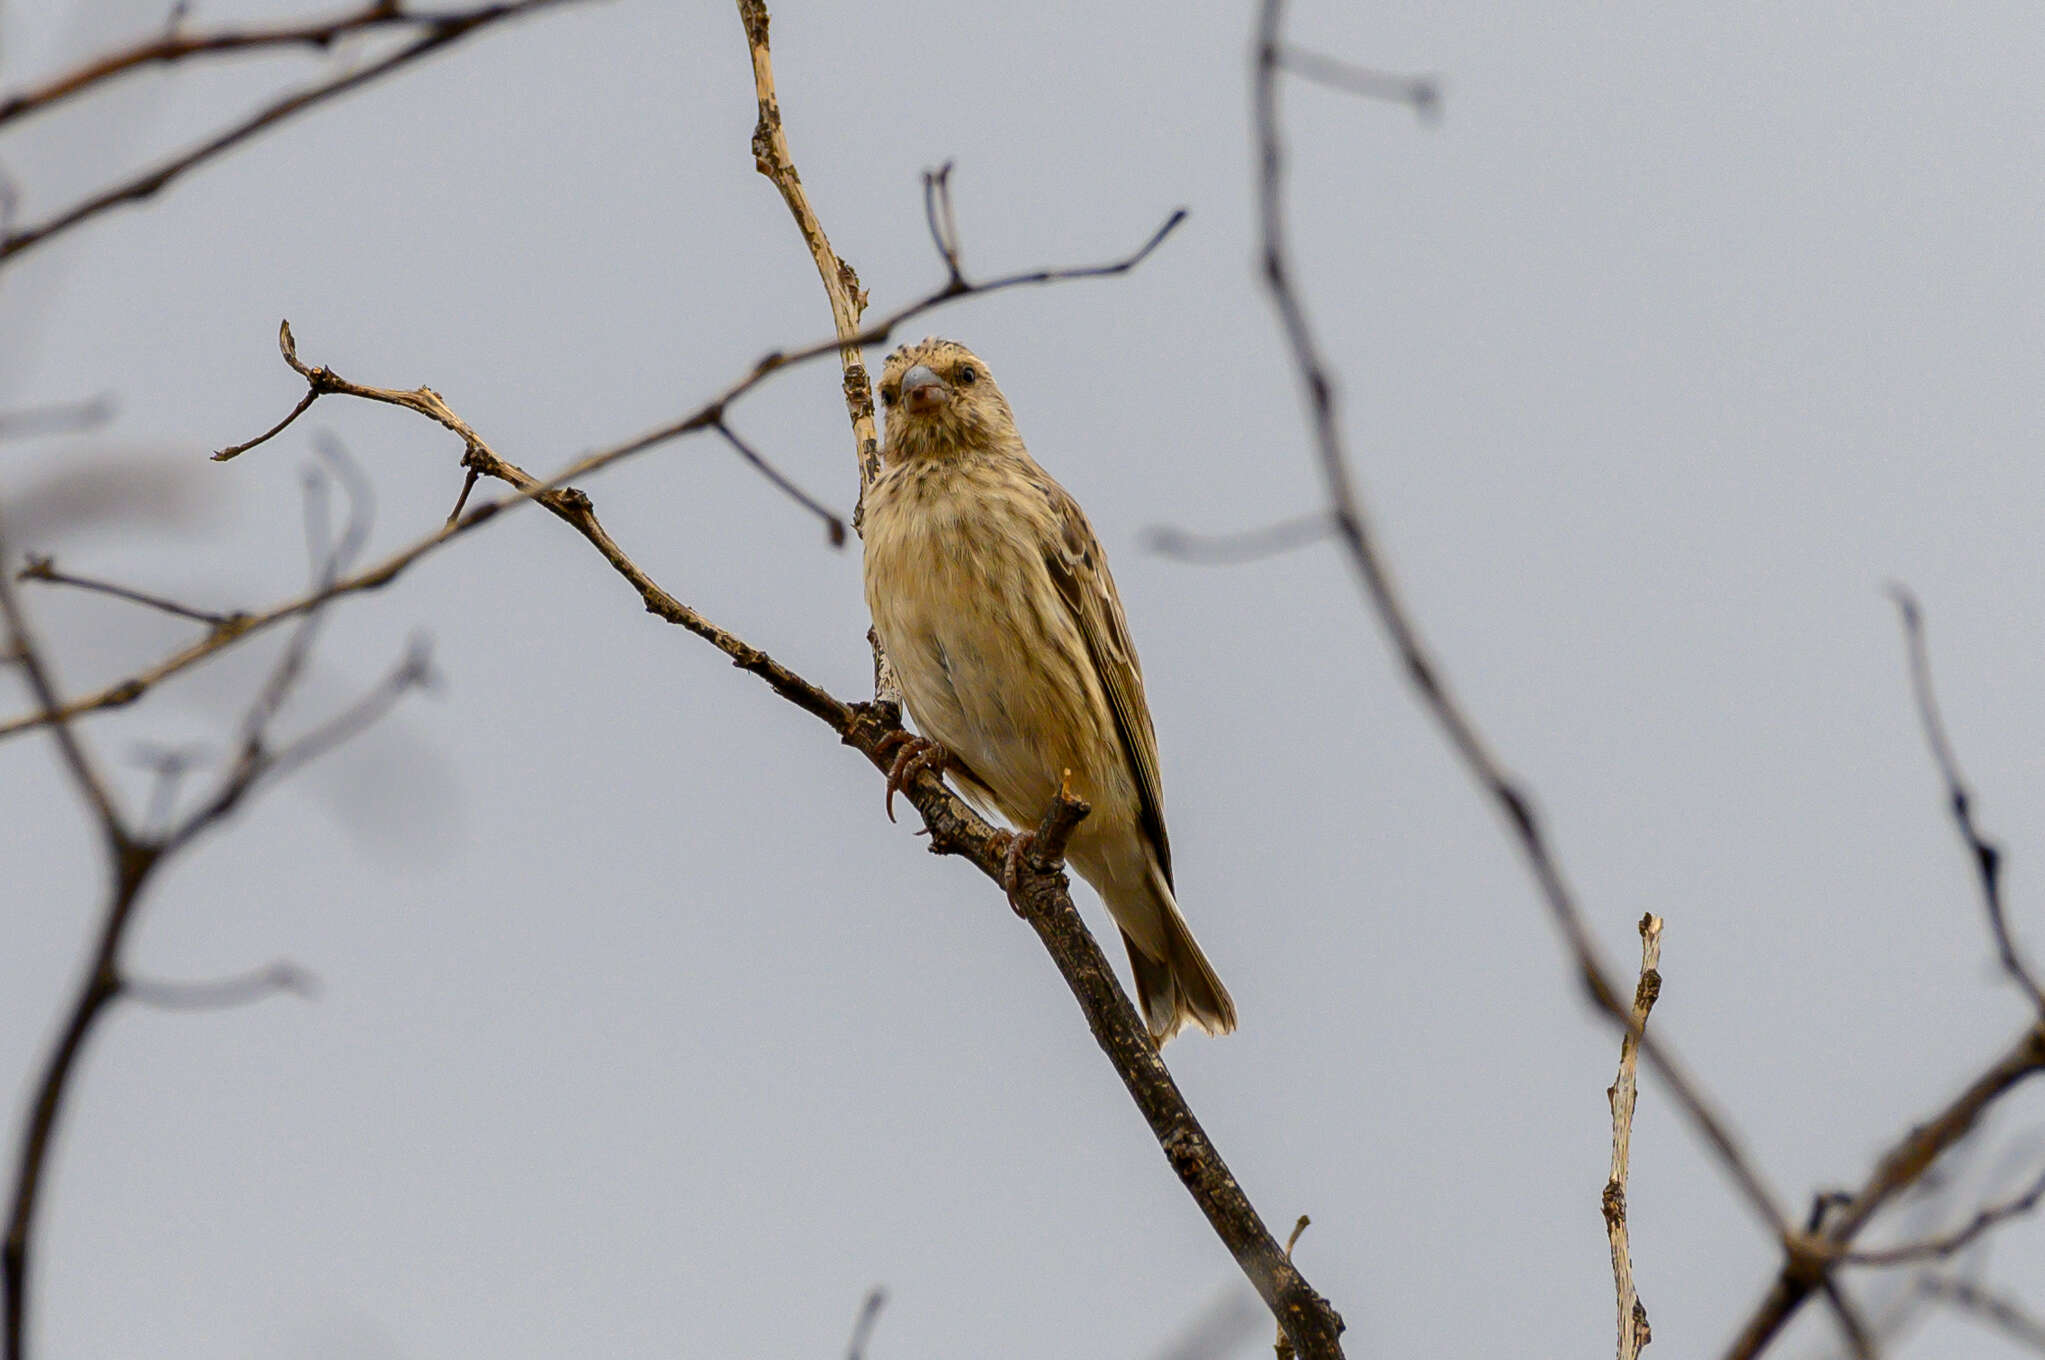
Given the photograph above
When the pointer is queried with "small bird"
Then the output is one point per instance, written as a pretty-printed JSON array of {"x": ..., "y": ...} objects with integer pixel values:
[{"x": 992, "y": 597}]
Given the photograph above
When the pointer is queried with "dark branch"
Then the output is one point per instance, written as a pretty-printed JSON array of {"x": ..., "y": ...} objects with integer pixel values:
[
  {"x": 1987, "y": 856},
  {"x": 1512, "y": 801},
  {"x": 1250, "y": 545},
  {"x": 438, "y": 33},
  {"x": 63, "y": 418},
  {"x": 1945, "y": 1244},
  {"x": 1422, "y": 94},
  {"x": 43, "y": 568},
  {"x": 171, "y": 46},
  {"x": 834, "y": 526},
  {"x": 862, "y": 1326},
  {"x": 1991, "y": 1308},
  {"x": 281, "y": 978}
]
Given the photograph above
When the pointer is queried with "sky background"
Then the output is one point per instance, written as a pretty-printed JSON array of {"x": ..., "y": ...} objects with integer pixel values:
[{"x": 643, "y": 1033}]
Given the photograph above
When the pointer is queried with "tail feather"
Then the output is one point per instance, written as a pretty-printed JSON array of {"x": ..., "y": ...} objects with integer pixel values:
[{"x": 1180, "y": 988}]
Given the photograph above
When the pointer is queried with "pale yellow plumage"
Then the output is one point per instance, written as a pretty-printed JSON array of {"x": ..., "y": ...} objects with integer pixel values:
[{"x": 993, "y": 600}]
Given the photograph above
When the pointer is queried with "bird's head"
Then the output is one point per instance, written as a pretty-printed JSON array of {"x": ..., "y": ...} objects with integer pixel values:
[{"x": 940, "y": 402}]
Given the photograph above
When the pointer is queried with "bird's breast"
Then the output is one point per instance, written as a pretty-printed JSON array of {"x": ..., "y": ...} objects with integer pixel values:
[{"x": 992, "y": 665}]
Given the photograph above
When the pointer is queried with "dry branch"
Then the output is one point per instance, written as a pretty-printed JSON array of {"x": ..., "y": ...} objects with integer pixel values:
[
  {"x": 1352, "y": 528},
  {"x": 132, "y": 858},
  {"x": 1634, "y": 1333},
  {"x": 437, "y": 32}
]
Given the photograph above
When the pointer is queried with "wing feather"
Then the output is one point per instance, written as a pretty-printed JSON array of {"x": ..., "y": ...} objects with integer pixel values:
[{"x": 1079, "y": 569}]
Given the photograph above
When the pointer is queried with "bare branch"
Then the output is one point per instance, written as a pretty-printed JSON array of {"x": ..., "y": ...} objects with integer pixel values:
[
  {"x": 1986, "y": 854},
  {"x": 277, "y": 979},
  {"x": 170, "y": 47},
  {"x": 862, "y": 1326},
  {"x": 1859, "y": 1336},
  {"x": 943, "y": 219},
  {"x": 63, "y": 418},
  {"x": 438, "y": 32},
  {"x": 1422, "y": 94},
  {"x": 1634, "y": 1333},
  {"x": 1999, "y": 1312},
  {"x": 564, "y": 502},
  {"x": 1234, "y": 549},
  {"x": 1945, "y": 1244},
  {"x": 23, "y": 649},
  {"x": 834, "y": 527},
  {"x": 1512, "y": 800},
  {"x": 44, "y": 568},
  {"x": 1810, "y": 1257}
]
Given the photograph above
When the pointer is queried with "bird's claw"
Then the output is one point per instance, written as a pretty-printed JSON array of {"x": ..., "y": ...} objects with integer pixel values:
[
  {"x": 1014, "y": 845},
  {"x": 912, "y": 756}
]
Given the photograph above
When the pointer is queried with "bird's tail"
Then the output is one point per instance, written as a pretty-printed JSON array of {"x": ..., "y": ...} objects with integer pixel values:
[{"x": 1175, "y": 984}]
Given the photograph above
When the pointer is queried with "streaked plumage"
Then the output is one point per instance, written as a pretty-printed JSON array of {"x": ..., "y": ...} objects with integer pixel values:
[{"x": 993, "y": 599}]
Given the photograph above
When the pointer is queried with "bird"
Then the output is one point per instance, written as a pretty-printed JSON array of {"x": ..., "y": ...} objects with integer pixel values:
[{"x": 991, "y": 597}]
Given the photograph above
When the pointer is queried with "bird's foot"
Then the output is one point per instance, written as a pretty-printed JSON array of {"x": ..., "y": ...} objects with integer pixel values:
[
  {"x": 1014, "y": 845},
  {"x": 912, "y": 756}
]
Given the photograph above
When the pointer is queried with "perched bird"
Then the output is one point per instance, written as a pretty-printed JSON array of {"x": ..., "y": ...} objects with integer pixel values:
[{"x": 992, "y": 597}]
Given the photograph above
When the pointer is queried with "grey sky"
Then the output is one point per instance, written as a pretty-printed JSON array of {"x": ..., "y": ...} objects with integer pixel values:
[{"x": 644, "y": 1034}]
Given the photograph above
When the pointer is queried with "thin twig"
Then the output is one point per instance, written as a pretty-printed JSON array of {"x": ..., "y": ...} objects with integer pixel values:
[
  {"x": 1945, "y": 1244},
  {"x": 941, "y": 216},
  {"x": 70, "y": 417},
  {"x": 1999, "y": 1312},
  {"x": 170, "y": 46},
  {"x": 1250, "y": 545},
  {"x": 1424, "y": 673},
  {"x": 438, "y": 33},
  {"x": 1860, "y": 1338},
  {"x": 282, "y": 978},
  {"x": 132, "y": 860},
  {"x": 1634, "y": 1333},
  {"x": 562, "y": 501},
  {"x": 862, "y": 1326},
  {"x": 1987, "y": 856},
  {"x": 23, "y": 649},
  {"x": 43, "y": 568},
  {"x": 1422, "y": 94},
  {"x": 1810, "y": 1257},
  {"x": 834, "y": 527}
]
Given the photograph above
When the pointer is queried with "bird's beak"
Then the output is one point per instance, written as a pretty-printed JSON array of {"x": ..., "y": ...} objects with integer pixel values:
[{"x": 923, "y": 390}]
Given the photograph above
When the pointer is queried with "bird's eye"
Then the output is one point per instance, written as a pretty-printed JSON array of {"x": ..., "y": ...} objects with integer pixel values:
[
  {"x": 887, "y": 396},
  {"x": 968, "y": 374}
]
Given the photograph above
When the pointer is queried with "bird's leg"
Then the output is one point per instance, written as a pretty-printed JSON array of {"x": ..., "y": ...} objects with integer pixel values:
[
  {"x": 913, "y": 755},
  {"x": 1014, "y": 845}
]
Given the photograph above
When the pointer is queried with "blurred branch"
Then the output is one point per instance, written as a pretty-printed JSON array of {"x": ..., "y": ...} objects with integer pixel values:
[
  {"x": 1634, "y": 1333},
  {"x": 43, "y": 568},
  {"x": 1986, "y": 854},
  {"x": 862, "y": 1326},
  {"x": 1423, "y": 672},
  {"x": 565, "y": 502},
  {"x": 1810, "y": 1257},
  {"x": 277, "y": 979},
  {"x": 69, "y": 417},
  {"x": 834, "y": 527},
  {"x": 436, "y": 32},
  {"x": 131, "y": 860},
  {"x": 169, "y": 46},
  {"x": 1945, "y": 1244},
  {"x": 1234, "y": 549},
  {"x": 1991, "y": 1308},
  {"x": 1422, "y": 94}
]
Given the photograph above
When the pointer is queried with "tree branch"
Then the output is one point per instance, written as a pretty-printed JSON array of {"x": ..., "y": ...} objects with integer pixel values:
[
  {"x": 1513, "y": 802},
  {"x": 1634, "y": 1333},
  {"x": 439, "y": 31},
  {"x": 1987, "y": 856}
]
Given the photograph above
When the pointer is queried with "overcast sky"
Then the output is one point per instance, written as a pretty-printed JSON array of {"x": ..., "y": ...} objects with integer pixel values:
[{"x": 644, "y": 1034}]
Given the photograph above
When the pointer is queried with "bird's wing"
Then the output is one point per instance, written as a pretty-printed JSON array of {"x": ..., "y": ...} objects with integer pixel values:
[{"x": 1080, "y": 571}]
